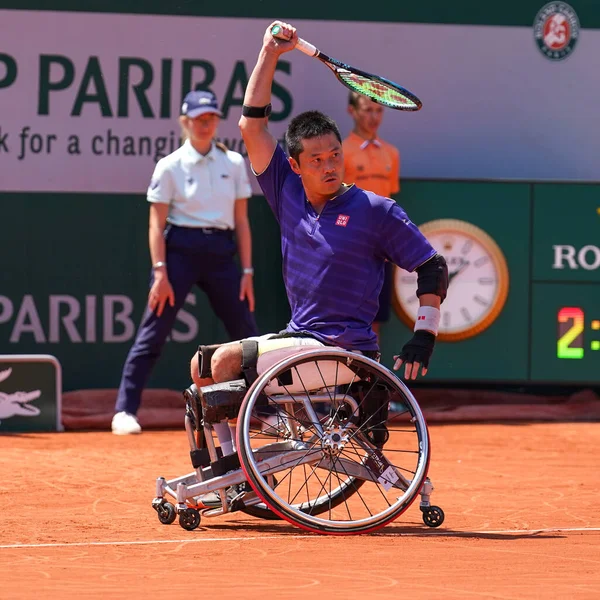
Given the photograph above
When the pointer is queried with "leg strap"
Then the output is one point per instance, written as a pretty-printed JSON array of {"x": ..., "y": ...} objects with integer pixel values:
[
  {"x": 250, "y": 360},
  {"x": 205, "y": 354}
]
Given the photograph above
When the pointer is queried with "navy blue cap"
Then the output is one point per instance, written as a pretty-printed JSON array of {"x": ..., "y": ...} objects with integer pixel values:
[{"x": 199, "y": 103}]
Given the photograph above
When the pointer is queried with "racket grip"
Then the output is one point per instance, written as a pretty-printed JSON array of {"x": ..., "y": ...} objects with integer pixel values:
[{"x": 302, "y": 45}]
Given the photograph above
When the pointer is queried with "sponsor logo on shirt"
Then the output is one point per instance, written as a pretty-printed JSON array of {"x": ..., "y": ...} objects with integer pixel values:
[
  {"x": 154, "y": 184},
  {"x": 342, "y": 220}
]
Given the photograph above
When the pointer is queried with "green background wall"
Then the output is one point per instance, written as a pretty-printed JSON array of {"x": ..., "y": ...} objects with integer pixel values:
[{"x": 96, "y": 245}]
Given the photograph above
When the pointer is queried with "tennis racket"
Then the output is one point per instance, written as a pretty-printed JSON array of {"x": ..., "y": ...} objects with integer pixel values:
[{"x": 380, "y": 90}]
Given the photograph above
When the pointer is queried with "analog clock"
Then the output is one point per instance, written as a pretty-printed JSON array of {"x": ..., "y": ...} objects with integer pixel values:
[{"x": 478, "y": 280}]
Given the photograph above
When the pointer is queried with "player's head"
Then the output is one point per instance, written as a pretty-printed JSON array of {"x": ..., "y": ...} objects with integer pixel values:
[
  {"x": 314, "y": 144},
  {"x": 200, "y": 116},
  {"x": 366, "y": 114}
]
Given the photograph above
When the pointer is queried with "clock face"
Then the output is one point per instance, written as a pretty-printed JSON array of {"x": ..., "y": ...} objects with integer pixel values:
[{"x": 478, "y": 280}]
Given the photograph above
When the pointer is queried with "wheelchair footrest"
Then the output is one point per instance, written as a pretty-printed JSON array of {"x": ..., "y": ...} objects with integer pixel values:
[{"x": 222, "y": 400}]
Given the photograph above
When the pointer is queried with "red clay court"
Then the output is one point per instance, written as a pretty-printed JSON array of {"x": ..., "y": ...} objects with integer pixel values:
[{"x": 522, "y": 521}]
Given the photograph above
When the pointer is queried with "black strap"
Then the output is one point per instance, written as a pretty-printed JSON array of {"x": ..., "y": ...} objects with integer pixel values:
[
  {"x": 256, "y": 112},
  {"x": 250, "y": 360},
  {"x": 205, "y": 354}
]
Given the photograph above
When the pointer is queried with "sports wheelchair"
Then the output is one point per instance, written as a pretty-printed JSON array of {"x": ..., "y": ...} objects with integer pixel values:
[{"x": 327, "y": 439}]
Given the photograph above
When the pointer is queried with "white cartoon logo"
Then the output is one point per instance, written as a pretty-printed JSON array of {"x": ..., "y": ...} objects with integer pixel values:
[
  {"x": 556, "y": 30},
  {"x": 16, "y": 404}
]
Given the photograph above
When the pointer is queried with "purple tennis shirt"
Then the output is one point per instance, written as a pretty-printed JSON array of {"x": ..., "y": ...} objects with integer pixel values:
[{"x": 333, "y": 263}]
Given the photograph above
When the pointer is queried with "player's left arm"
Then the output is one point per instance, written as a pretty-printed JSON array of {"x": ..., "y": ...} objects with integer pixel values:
[
  {"x": 403, "y": 244},
  {"x": 432, "y": 286}
]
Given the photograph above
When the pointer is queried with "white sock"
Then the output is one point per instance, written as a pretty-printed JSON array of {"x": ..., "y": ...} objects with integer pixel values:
[
  {"x": 227, "y": 448},
  {"x": 232, "y": 430},
  {"x": 224, "y": 437}
]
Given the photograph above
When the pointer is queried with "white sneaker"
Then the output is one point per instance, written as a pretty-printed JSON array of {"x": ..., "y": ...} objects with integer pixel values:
[{"x": 125, "y": 423}]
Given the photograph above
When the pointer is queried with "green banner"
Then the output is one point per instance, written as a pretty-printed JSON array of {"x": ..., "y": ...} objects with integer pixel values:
[
  {"x": 30, "y": 393},
  {"x": 500, "y": 352},
  {"x": 78, "y": 283},
  {"x": 566, "y": 233}
]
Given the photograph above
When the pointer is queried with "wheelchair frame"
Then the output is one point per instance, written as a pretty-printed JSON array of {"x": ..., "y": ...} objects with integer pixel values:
[{"x": 337, "y": 444}]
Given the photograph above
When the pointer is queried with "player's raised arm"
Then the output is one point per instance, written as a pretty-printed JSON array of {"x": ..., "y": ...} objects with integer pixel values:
[{"x": 260, "y": 144}]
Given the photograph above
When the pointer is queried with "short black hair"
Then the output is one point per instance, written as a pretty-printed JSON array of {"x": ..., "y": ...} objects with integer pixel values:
[
  {"x": 307, "y": 125},
  {"x": 353, "y": 98}
]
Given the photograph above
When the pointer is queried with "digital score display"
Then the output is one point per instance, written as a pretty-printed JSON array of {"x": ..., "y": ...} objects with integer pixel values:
[
  {"x": 571, "y": 342},
  {"x": 565, "y": 333}
]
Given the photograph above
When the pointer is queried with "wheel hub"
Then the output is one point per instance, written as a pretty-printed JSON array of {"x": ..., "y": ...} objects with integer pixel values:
[{"x": 334, "y": 440}]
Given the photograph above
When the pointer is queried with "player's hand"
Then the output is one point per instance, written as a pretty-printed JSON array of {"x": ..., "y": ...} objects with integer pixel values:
[
  {"x": 160, "y": 293},
  {"x": 286, "y": 39},
  {"x": 416, "y": 354},
  {"x": 247, "y": 290}
]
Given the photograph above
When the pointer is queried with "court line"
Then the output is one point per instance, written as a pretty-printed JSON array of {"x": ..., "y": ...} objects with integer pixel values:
[{"x": 300, "y": 536}]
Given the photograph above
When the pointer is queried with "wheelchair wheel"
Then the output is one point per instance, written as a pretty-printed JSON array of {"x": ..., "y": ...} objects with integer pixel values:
[{"x": 342, "y": 462}]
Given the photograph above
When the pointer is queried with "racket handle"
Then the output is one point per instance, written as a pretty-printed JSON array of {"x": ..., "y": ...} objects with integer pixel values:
[{"x": 302, "y": 45}]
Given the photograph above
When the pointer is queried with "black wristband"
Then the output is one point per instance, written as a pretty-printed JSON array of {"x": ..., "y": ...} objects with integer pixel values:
[{"x": 256, "y": 112}]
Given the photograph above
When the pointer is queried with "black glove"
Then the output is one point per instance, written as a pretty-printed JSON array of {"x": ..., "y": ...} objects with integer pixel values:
[{"x": 418, "y": 349}]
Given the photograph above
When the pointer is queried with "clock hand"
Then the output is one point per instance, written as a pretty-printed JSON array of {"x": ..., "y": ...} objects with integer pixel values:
[{"x": 459, "y": 270}]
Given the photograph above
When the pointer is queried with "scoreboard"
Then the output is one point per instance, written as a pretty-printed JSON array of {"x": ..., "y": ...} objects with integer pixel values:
[{"x": 566, "y": 333}]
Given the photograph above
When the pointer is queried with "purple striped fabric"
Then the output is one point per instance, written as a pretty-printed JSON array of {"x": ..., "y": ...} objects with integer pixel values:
[{"x": 333, "y": 262}]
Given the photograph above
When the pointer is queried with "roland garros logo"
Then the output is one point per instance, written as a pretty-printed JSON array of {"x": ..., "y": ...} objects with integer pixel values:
[{"x": 556, "y": 30}]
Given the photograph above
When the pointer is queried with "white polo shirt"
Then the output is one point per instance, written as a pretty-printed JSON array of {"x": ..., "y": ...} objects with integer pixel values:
[{"x": 200, "y": 190}]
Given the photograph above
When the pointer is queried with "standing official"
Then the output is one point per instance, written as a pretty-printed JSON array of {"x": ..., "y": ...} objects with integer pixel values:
[
  {"x": 198, "y": 221},
  {"x": 373, "y": 165}
]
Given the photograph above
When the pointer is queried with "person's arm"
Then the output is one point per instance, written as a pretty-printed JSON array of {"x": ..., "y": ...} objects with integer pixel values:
[
  {"x": 161, "y": 291},
  {"x": 260, "y": 144},
  {"x": 405, "y": 245},
  {"x": 160, "y": 194},
  {"x": 156, "y": 240},
  {"x": 244, "y": 244}
]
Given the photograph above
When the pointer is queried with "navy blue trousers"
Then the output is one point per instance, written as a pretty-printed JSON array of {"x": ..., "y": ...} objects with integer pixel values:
[{"x": 194, "y": 257}]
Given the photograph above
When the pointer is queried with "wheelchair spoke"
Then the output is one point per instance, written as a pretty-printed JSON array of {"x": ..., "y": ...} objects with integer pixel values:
[
  {"x": 325, "y": 387},
  {"x": 304, "y": 485},
  {"x": 352, "y": 452},
  {"x": 356, "y": 490}
]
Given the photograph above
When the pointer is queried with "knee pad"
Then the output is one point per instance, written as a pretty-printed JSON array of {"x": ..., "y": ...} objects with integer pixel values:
[
  {"x": 205, "y": 354},
  {"x": 222, "y": 400}
]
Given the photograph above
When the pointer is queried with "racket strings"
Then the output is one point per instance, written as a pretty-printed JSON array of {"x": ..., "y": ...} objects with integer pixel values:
[{"x": 377, "y": 90}]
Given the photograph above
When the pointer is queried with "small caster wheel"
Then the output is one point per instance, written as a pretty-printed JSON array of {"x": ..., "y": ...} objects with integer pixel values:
[
  {"x": 189, "y": 518},
  {"x": 433, "y": 516},
  {"x": 166, "y": 513}
]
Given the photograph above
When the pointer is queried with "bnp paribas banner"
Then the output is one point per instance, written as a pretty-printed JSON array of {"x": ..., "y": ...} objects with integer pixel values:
[{"x": 89, "y": 101}]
